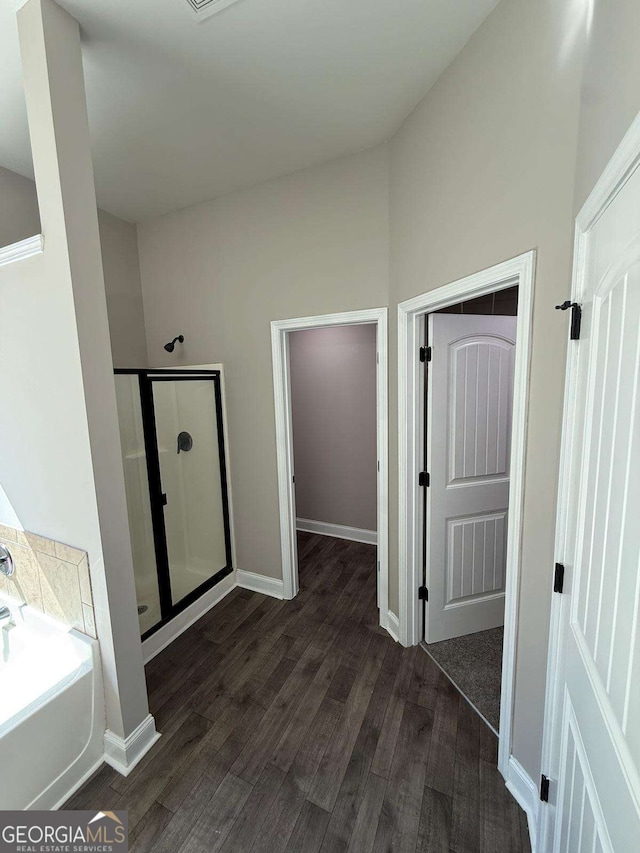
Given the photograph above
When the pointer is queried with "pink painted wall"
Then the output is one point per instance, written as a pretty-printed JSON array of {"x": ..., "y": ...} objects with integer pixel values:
[{"x": 333, "y": 390}]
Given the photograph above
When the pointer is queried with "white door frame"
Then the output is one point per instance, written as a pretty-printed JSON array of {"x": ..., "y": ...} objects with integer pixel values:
[
  {"x": 284, "y": 441},
  {"x": 625, "y": 161},
  {"x": 518, "y": 272}
]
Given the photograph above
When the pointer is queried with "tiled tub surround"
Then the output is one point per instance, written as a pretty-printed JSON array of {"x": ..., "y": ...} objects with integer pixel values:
[{"x": 51, "y": 577}]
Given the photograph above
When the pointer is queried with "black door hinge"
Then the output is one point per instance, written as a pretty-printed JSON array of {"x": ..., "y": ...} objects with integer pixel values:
[
  {"x": 424, "y": 479},
  {"x": 425, "y": 353},
  {"x": 576, "y": 318},
  {"x": 423, "y": 593},
  {"x": 544, "y": 789},
  {"x": 164, "y": 499},
  {"x": 558, "y": 578}
]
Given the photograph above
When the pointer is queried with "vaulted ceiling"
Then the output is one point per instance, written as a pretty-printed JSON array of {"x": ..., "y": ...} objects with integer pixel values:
[{"x": 182, "y": 111}]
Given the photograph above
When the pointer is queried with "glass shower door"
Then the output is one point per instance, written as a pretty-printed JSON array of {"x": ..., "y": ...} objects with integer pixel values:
[
  {"x": 193, "y": 481},
  {"x": 172, "y": 437}
]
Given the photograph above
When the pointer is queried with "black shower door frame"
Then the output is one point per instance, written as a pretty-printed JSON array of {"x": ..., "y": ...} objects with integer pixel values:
[{"x": 168, "y": 608}]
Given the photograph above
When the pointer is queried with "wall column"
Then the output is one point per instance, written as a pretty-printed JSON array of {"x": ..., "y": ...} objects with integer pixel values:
[{"x": 56, "y": 104}]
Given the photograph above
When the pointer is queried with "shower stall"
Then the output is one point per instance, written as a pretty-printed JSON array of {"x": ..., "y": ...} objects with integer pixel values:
[{"x": 173, "y": 448}]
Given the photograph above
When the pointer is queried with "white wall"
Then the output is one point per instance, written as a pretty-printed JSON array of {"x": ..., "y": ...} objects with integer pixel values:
[
  {"x": 20, "y": 218},
  {"x": 610, "y": 89},
  {"x": 60, "y": 465},
  {"x": 481, "y": 171},
  {"x": 119, "y": 243},
  {"x": 310, "y": 243},
  {"x": 19, "y": 215},
  {"x": 333, "y": 403}
]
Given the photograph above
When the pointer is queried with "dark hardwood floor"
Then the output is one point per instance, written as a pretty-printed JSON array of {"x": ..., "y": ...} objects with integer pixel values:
[{"x": 301, "y": 726}]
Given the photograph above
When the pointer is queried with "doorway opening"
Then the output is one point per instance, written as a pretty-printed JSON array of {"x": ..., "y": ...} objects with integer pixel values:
[
  {"x": 427, "y": 561},
  {"x": 331, "y": 353},
  {"x": 468, "y": 360}
]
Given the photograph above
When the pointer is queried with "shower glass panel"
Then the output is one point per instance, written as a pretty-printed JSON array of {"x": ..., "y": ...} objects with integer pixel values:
[
  {"x": 190, "y": 475},
  {"x": 172, "y": 437},
  {"x": 134, "y": 458}
]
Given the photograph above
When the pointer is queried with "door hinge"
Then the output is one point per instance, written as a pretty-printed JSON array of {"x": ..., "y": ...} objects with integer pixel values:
[
  {"x": 558, "y": 578},
  {"x": 164, "y": 499},
  {"x": 576, "y": 318},
  {"x": 424, "y": 479},
  {"x": 544, "y": 789},
  {"x": 425, "y": 353},
  {"x": 423, "y": 593}
]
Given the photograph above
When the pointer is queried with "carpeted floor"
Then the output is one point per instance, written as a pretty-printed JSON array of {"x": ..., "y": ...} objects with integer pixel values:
[{"x": 474, "y": 664}]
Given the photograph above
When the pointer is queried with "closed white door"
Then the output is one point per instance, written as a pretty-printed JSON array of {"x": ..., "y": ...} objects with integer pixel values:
[
  {"x": 469, "y": 404},
  {"x": 593, "y": 719}
]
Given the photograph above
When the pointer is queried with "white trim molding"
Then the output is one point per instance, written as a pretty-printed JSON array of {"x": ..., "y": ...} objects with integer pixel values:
[
  {"x": 161, "y": 638},
  {"x": 623, "y": 164},
  {"x": 124, "y": 753},
  {"x": 393, "y": 626},
  {"x": 22, "y": 250},
  {"x": 284, "y": 442},
  {"x": 518, "y": 272},
  {"x": 526, "y": 794},
  {"x": 260, "y": 583},
  {"x": 339, "y": 531}
]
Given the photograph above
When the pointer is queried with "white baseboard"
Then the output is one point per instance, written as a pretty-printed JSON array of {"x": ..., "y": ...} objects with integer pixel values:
[
  {"x": 260, "y": 583},
  {"x": 154, "y": 644},
  {"x": 339, "y": 531},
  {"x": 124, "y": 753},
  {"x": 526, "y": 794},
  {"x": 393, "y": 626}
]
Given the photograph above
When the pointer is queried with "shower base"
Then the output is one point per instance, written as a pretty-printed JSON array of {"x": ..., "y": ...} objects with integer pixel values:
[{"x": 184, "y": 579}]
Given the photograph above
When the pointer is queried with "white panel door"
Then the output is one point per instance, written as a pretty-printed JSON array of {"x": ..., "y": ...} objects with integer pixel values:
[
  {"x": 469, "y": 404},
  {"x": 595, "y": 723}
]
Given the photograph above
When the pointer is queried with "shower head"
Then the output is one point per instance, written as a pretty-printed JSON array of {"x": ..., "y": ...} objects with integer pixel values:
[{"x": 172, "y": 344}]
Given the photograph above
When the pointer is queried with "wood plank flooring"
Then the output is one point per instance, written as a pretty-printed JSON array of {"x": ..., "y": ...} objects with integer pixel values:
[{"x": 302, "y": 727}]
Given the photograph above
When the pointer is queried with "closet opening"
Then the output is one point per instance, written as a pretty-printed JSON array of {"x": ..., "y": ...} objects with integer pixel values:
[
  {"x": 463, "y": 397},
  {"x": 330, "y": 390},
  {"x": 467, "y": 363}
]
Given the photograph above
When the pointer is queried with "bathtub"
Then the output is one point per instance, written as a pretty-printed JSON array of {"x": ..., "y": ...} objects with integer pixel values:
[{"x": 51, "y": 709}]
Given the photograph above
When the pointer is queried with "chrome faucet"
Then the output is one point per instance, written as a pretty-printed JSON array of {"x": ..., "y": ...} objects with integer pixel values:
[
  {"x": 5, "y": 613},
  {"x": 7, "y": 566}
]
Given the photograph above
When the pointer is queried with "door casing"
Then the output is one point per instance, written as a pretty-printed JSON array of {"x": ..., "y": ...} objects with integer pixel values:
[
  {"x": 284, "y": 443},
  {"x": 520, "y": 272}
]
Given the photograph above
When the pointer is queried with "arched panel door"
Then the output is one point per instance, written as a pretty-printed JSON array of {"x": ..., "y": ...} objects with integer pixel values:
[{"x": 469, "y": 404}]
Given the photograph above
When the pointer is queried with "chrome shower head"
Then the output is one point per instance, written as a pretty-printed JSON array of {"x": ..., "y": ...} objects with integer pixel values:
[{"x": 172, "y": 344}]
